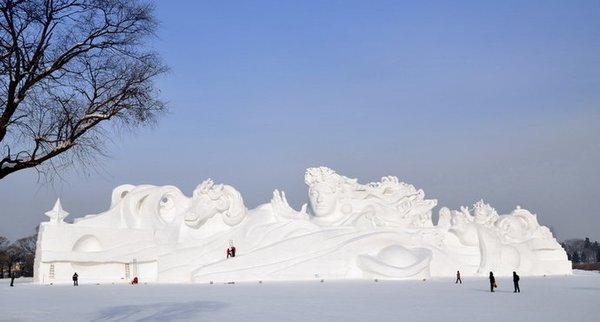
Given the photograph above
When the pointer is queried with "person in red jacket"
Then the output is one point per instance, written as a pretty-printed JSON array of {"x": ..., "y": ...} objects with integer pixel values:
[{"x": 231, "y": 251}]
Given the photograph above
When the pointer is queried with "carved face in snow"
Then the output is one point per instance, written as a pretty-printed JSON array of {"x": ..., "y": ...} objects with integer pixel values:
[
  {"x": 513, "y": 227},
  {"x": 521, "y": 225},
  {"x": 323, "y": 199}
]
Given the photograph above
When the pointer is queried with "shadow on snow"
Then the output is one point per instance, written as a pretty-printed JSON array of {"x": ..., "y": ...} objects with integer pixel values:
[{"x": 158, "y": 311}]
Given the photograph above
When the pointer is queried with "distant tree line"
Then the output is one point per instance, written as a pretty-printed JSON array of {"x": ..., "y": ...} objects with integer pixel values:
[
  {"x": 17, "y": 257},
  {"x": 582, "y": 250}
]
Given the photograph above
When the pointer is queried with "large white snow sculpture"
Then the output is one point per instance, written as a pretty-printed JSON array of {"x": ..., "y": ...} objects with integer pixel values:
[
  {"x": 508, "y": 242},
  {"x": 339, "y": 201},
  {"x": 377, "y": 230}
]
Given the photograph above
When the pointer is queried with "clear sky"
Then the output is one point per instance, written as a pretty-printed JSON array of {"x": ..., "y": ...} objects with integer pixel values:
[{"x": 466, "y": 100}]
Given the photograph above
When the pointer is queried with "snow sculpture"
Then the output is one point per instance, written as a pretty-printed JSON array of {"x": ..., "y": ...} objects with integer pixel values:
[
  {"x": 340, "y": 201},
  {"x": 375, "y": 230},
  {"x": 210, "y": 199},
  {"x": 508, "y": 242}
]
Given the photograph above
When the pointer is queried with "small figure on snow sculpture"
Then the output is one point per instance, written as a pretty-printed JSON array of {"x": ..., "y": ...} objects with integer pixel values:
[
  {"x": 231, "y": 250},
  {"x": 75, "y": 279},
  {"x": 516, "y": 282},
  {"x": 492, "y": 282},
  {"x": 458, "y": 277}
]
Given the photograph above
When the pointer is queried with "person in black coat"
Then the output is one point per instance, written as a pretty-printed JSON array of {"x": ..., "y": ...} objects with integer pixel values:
[
  {"x": 492, "y": 281},
  {"x": 75, "y": 279},
  {"x": 12, "y": 279},
  {"x": 516, "y": 282}
]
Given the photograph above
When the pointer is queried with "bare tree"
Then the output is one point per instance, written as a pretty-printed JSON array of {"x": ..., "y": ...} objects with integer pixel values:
[
  {"x": 72, "y": 73},
  {"x": 25, "y": 251},
  {"x": 4, "y": 243}
]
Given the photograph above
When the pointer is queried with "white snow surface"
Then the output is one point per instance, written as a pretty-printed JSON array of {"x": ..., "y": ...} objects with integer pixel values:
[{"x": 551, "y": 298}]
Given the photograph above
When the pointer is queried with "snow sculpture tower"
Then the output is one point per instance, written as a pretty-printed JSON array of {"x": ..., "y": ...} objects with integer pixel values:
[{"x": 57, "y": 214}]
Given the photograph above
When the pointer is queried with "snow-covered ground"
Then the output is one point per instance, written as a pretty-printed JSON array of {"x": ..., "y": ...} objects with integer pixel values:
[{"x": 557, "y": 298}]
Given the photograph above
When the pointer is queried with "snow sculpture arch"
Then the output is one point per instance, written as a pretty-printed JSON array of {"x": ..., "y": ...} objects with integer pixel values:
[{"x": 348, "y": 230}]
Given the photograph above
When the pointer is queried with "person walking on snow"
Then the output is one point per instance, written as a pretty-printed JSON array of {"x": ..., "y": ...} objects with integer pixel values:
[
  {"x": 75, "y": 279},
  {"x": 516, "y": 282},
  {"x": 458, "y": 277},
  {"x": 492, "y": 282}
]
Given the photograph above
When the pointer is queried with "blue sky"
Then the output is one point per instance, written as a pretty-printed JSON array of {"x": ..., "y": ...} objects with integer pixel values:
[{"x": 466, "y": 100}]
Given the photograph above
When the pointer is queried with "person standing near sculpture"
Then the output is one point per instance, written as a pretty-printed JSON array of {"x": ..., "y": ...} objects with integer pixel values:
[
  {"x": 12, "y": 279},
  {"x": 492, "y": 282},
  {"x": 516, "y": 282},
  {"x": 458, "y": 279},
  {"x": 75, "y": 279}
]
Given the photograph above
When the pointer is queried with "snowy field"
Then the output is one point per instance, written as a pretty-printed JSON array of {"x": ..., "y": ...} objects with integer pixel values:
[{"x": 563, "y": 298}]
